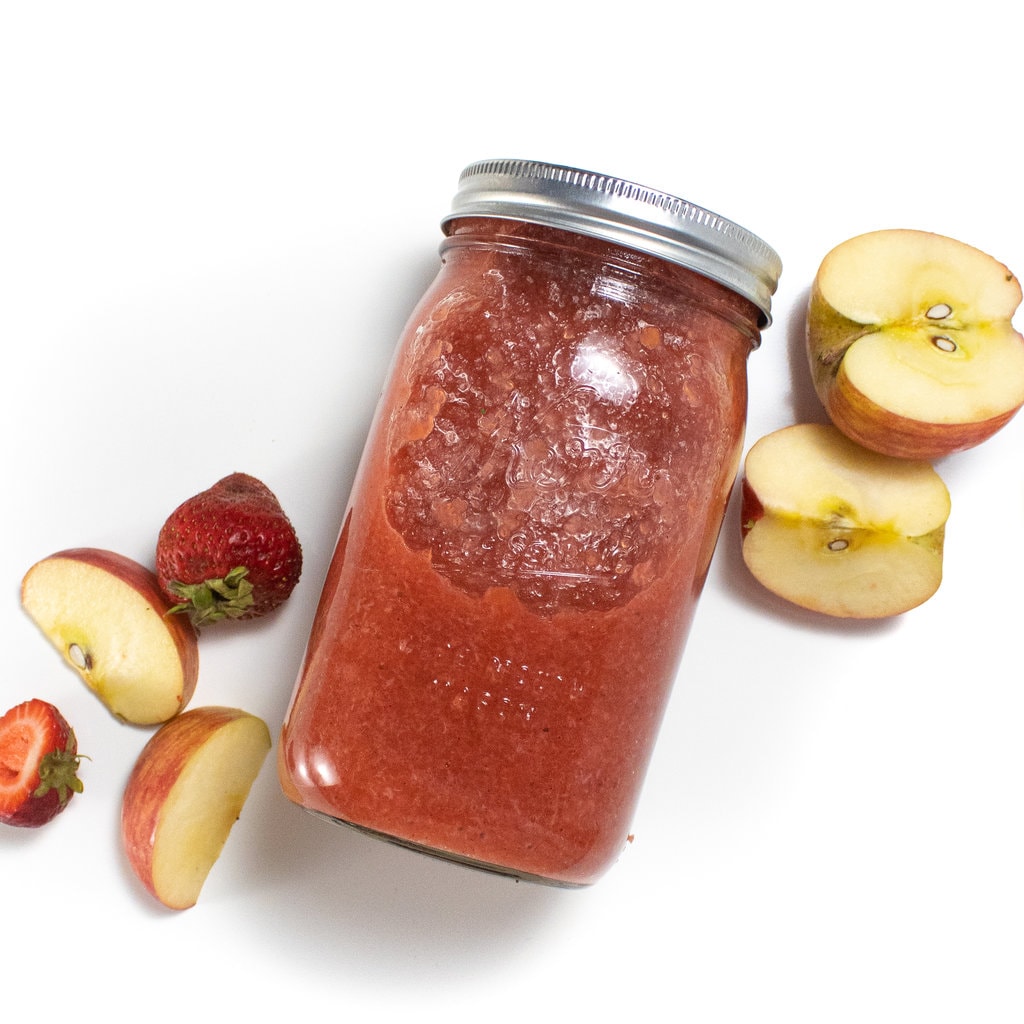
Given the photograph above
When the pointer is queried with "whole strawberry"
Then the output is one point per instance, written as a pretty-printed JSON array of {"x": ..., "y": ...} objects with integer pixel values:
[
  {"x": 228, "y": 552},
  {"x": 38, "y": 764}
]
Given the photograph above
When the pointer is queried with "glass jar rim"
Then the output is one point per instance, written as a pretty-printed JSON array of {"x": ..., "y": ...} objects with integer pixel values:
[{"x": 624, "y": 212}]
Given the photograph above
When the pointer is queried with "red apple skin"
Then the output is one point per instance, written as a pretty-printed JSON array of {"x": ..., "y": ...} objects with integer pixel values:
[
  {"x": 751, "y": 509},
  {"x": 154, "y": 774},
  {"x": 144, "y": 580},
  {"x": 876, "y": 428}
]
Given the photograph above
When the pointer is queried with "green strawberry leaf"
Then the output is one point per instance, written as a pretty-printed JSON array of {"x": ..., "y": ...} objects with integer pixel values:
[{"x": 215, "y": 599}]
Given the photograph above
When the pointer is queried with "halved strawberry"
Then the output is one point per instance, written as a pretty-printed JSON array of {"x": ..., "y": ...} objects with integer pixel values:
[{"x": 38, "y": 764}]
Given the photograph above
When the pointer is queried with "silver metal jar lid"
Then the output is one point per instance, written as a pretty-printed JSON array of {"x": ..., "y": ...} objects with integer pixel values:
[{"x": 623, "y": 212}]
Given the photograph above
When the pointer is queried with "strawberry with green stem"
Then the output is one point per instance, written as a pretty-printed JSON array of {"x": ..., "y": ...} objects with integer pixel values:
[
  {"x": 228, "y": 552},
  {"x": 38, "y": 764}
]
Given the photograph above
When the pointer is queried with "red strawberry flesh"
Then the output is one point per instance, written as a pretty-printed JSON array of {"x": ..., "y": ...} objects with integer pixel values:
[{"x": 38, "y": 764}]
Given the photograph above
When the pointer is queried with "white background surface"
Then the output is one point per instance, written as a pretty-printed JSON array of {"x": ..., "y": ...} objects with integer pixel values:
[{"x": 214, "y": 221}]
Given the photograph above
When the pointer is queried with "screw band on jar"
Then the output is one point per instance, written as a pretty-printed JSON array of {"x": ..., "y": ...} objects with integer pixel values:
[{"x": 624, "y": 212}]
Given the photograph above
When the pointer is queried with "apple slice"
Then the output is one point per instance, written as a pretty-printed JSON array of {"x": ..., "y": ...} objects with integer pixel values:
[
  {"x": 911, "y": 344},
  {"x": 836, "y": 528},
  {"x": 106, "y": 615},
  {"x": 185, "y": 793}
]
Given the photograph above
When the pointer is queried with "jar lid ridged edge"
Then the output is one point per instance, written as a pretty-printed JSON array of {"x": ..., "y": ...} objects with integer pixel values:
[{"x": 625, "y": 212}]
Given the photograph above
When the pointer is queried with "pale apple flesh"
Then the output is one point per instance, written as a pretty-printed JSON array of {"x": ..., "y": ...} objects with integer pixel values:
[
  {"x": 911, "y": 343},
  {"x": 185, "y": 794},
  {"x": 835, "y": 528},
  {"x": 106, "y": 615}
]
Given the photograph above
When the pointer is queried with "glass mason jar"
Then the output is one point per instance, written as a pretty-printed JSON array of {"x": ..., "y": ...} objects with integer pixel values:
[{"x": 531, "y": 524}]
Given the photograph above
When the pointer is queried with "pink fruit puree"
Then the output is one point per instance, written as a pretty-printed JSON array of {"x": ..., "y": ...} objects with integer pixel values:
[{"x": 526, "y": 539}]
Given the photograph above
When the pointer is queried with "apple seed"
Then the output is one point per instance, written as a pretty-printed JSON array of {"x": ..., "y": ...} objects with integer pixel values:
[
  {"x": 79, "y": 658},
  {"x": 939, "y": 311},
  {"x": 838, "y": 544},
  {"x": 944, "y": 343}
]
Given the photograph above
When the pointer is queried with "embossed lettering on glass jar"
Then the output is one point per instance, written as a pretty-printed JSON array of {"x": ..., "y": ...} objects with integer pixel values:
[{"x": 531, "y": 524}]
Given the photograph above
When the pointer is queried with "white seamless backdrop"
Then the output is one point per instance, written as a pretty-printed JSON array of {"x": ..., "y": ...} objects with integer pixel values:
[{"x": 214, "y": 220}]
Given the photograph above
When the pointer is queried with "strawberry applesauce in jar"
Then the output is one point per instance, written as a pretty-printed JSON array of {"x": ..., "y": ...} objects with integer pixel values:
[{"x": 531, "y": 524}]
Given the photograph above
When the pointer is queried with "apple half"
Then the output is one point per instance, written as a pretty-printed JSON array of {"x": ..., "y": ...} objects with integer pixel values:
[
  {"x": 833, "y": 527},
  {"x": 106, "y": 615},
  {"x": 184, "y": 794},
  {"x": 911, "y": 345}
]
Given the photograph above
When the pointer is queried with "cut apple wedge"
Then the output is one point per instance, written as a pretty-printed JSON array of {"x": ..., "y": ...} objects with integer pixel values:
[
  {"x": 833, "y": 527},
  {"x": 911, "y": 344},
  {"x": 107, "y": 616},
  {"x": 185, "y": 793}
]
